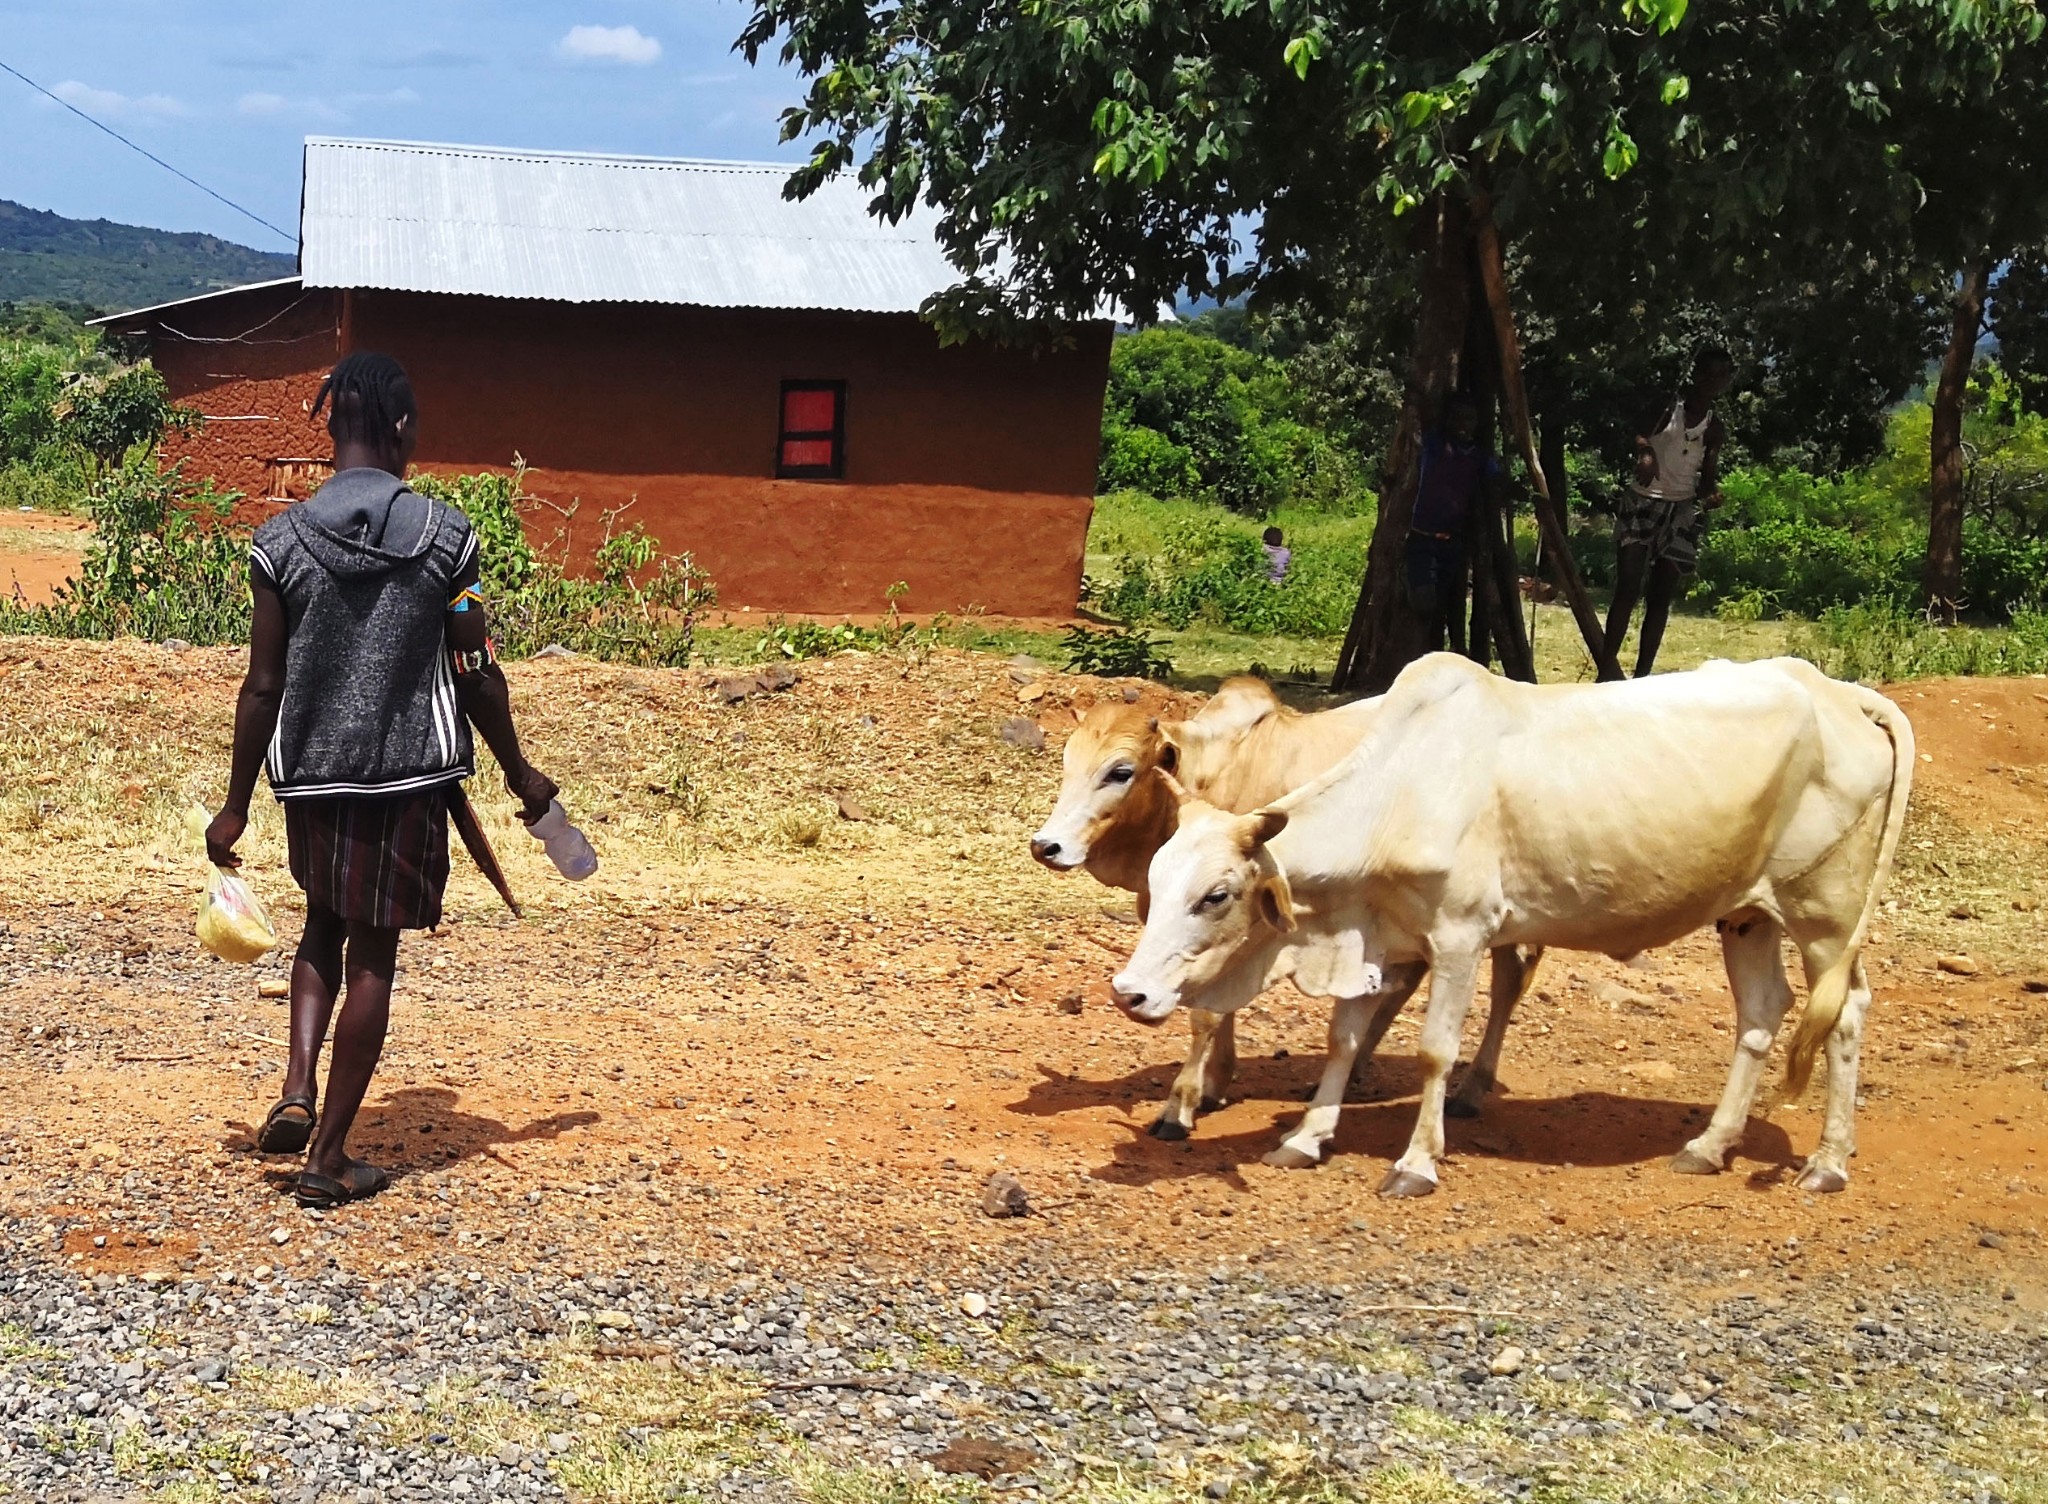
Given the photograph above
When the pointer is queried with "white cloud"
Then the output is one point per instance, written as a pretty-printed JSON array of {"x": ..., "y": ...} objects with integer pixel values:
[
  {"x": 108, "y": 102},
  {"x": 609, "y": 44},
  {"x": 318, "y": 109}
]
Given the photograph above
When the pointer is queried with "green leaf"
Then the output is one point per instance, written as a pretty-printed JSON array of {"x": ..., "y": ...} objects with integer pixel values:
[
  {"x": 1302, "y": 51},
  {"x": 1621, "y": 152},
  {"x": 1418, "y": 106},
  {"x": 1662, "y": 14},
  {"x": 1676, "y": 87}
]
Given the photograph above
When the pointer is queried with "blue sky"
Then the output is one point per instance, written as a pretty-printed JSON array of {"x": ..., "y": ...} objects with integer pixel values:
[{"x": 227, "y": 91}]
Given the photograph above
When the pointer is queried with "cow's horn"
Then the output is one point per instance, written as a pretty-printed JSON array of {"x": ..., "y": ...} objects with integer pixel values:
[{"x": 1261, "y": 825}]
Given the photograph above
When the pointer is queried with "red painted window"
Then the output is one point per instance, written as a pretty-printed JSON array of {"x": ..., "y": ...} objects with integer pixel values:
[{"x": 812, "y": 441}]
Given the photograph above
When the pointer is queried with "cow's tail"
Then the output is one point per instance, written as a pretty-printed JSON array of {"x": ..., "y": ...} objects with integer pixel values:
[{"x": 1830, "y": 990}]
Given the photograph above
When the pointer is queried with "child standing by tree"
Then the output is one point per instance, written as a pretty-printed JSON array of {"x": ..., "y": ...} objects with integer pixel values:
[{"x": 369, "y": 660}]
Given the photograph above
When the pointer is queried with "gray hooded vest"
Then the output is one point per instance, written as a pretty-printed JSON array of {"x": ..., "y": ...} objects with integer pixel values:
[{"x": 366, "y": 569}]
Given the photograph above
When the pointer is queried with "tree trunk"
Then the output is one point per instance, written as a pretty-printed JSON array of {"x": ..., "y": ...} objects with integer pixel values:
[
  {"x": 1552, "y": 457},
  {"x": 1942, "y": 581},
  {"x": 1496, "y": 602},
  {"x": 1385, "y": 635},
  {"x": 1549, "y": 513}
]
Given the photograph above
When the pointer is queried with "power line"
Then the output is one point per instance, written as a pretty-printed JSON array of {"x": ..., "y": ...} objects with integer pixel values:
[{"x": 167, "y": 167}]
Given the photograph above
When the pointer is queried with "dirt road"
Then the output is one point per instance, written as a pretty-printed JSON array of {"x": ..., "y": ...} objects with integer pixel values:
[{"x": 817, "y": 1036}]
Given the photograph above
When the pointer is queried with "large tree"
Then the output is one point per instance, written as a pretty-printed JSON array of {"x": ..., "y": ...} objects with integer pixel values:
[
  {"x": 1141, "y": 151},
  {"x": 1984, "y": 206}
]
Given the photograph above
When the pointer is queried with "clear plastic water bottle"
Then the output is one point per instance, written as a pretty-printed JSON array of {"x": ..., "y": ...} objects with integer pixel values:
[{"x": 568, "y": 848}]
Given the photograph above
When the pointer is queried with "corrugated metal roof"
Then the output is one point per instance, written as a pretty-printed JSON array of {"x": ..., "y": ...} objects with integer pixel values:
[{"x": 586, "y": 229}]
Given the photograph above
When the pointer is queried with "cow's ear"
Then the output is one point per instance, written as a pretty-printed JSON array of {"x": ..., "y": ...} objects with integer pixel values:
[
  {"x": 1276, "y": 904},
  {"x": 1169, "y": 748},
  {"x": 1261, "y": 825}
]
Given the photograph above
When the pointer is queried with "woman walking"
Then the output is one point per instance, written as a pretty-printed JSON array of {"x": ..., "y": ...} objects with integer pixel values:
[{"x": 369, "y": 661}]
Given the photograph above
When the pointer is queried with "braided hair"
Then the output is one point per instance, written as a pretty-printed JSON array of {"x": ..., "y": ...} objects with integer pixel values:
[{"x": 366, "y": 396}]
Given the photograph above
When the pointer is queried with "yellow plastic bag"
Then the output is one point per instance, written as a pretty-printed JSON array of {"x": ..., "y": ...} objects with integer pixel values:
[{"x": 232, "y": 923}]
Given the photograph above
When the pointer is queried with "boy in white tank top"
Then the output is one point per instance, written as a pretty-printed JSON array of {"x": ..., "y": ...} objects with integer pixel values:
[{"x": 1657, "y": 524}]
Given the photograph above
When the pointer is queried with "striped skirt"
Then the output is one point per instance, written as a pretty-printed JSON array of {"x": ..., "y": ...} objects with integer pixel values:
[{"x": 382, "y": 862}]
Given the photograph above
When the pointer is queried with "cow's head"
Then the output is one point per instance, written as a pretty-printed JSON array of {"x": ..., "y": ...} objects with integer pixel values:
[
  {"x": 1221, "y": 911},
  {"x": 1108, "y": 760}
]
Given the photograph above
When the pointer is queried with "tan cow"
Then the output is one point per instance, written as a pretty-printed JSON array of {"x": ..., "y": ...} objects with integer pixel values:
[
  {"x": 1765, "y": 799},
  {"x": 1243, "y": 749}
]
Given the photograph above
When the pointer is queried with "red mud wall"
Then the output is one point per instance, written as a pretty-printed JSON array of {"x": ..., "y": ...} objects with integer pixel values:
[
  {"x": 969, "y": 471},
  {"x": 251, "y": 364},
  {"x": 969, "y": 474}
]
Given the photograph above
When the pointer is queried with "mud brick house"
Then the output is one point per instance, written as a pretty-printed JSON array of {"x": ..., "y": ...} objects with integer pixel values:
[{"x": 750, "y": 374}]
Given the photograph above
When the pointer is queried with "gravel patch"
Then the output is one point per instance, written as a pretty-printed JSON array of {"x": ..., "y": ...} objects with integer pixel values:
[{"x": 731, "y": 1381}]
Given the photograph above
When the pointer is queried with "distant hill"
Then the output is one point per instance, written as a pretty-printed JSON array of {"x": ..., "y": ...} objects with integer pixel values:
[{"x": 95, "y": 263}]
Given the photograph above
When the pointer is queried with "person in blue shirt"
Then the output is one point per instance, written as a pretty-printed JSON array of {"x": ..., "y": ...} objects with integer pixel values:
[{"x": 1455, "y": 466}]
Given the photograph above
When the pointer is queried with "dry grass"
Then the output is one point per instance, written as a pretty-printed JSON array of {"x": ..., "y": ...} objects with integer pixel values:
[
  {"x": 62, "y": 542},
  {"x": 17, "y": 1346},
  {"x": 1657, "y": 1465},
  {"x": 1946, "y": 865},
  {"x": 687, "y": 799},
  {"x": 289, "y": 1389}
]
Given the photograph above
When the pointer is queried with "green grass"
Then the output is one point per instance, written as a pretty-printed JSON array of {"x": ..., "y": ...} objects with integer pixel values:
[
  {"x": 641, "y": 1432},
  {"x": 1129, "y": 522}
]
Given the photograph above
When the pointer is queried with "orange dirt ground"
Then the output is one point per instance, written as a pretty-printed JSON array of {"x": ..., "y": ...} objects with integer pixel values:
[
  {"x": 39, "y": 552},
  {"x": 810, "y": 1053}
]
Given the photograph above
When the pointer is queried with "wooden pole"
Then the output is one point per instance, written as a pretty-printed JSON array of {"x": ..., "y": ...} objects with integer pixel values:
[
  {"x": 1549, "y": 516},
  {"x": 1495, "y": 577},
  {"x": 1511, "y": 637}
]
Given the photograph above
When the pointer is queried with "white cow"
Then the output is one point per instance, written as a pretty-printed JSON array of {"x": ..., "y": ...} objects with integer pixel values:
[
  {"x": 1242, "y": 750},
  {"x": 1765, "y": 799}
]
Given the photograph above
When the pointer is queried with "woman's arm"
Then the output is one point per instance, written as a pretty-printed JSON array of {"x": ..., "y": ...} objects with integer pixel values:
[
  {"x": 487, "y": 701},
  {"x": 255, "y": 722}
]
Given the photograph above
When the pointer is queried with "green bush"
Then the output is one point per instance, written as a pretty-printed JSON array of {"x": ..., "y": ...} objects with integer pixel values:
[
  {"x": 68, "y": 415},
  {"x": 1805, "y": 544},
  {"x": 1804, "y": 568},
  {"x": 128, "y": 410},
  {"x": 1190, "y": 417},
  {"x": 1135, "y": 458},
  {"x": 638, "y": 607},
  {"x": 31, "y": 380},
  {"x": 163, "y": 562},
  {"x": 1126, "y": 653},
  {"x": 782, "y": 638},
  {"x": 1882, "y": 642}
]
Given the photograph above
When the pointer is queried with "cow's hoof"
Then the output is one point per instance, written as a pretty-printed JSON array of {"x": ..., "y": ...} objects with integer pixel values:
[
  {"x": 1691, "y": 1162},
  {"x": 1458, "y": 1107},
  {"x": 1406, "y": 1185},
  {"x": 1169, "y": 1130},
  {"x": 1287, "y": 1157},
  {"x": 1213, "y": 1104},
  {"x": 1823, "y": 1179}
]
